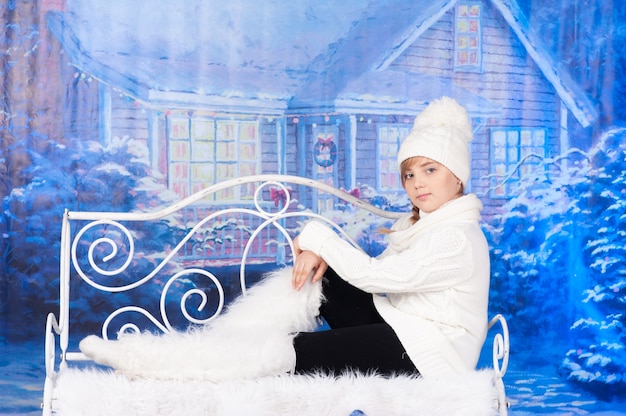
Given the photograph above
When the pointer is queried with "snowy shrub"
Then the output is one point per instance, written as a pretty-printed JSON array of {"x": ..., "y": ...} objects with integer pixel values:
[{"x": 80, "y": 175}]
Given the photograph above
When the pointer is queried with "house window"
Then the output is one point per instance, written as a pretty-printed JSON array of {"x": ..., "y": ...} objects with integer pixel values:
[
  {"x": 467, "y": 38},
  {"x": 514, "y": 153},
  {"x": 205, "y": 150},
  {"x": 389, "y": 139}
]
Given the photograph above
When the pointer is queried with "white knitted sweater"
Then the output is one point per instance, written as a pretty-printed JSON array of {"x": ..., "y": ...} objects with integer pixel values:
[{"x": 431, "y": 284}]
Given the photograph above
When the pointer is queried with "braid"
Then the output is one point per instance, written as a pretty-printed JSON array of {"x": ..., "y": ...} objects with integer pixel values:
[{"x": 416, "y": 214}]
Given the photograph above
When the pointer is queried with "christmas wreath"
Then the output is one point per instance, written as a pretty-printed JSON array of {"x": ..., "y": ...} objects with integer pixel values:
[{"x": 325, "y": 152}]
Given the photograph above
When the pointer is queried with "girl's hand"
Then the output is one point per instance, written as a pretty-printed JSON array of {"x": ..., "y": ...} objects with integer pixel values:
[{"x": 307, "y": 264}]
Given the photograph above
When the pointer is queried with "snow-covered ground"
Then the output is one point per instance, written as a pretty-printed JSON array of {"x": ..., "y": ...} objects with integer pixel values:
[
  {"x": 22, "y": 372},
  {"x": 530, "y": 391},
  {"x": 534, "y": 392}
]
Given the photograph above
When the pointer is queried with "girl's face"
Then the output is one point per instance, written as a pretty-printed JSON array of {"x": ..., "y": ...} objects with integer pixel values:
[{"x": 429, "y": 184}]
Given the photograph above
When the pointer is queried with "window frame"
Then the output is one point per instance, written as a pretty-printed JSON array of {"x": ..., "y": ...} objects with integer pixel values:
[
  {"x": 387, "y": 155},
  {"x": 205, "y": 149},
  {"x": 468, "y": 37},
  {"x": 515, "y": 158}
]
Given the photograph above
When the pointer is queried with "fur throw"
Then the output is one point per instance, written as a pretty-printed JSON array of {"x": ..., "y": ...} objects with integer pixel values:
[
  {"x": 104, "y": 393},
  {"x": 238, "y": 365},
  {"x": 252, "y": 338}
]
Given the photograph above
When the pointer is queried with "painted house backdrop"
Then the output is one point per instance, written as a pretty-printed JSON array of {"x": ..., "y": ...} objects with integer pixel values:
[
  {"x": 123, "y": 105},
  {"x": 261, "y": 96}
]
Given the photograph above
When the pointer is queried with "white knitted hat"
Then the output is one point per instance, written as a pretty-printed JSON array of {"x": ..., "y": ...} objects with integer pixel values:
[{"x": 442, "y": 132}]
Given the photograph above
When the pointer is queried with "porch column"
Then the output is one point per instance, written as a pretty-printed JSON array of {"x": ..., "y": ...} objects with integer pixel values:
[{"x": 351, "y": 163}]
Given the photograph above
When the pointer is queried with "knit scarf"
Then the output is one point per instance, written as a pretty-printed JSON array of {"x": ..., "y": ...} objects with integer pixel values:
[{"x": 463, "y": 209}]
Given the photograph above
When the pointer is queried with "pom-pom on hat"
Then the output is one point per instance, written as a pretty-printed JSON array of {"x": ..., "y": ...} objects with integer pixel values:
[{"x": 442, "y": 132}]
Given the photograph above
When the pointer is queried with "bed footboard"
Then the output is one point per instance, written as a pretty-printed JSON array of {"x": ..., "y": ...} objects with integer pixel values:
[{"x": 500, "y": 356}]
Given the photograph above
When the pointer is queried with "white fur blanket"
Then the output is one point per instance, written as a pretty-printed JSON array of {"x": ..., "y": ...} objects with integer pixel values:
[
  {"x": 94, "y": 392},
  {"x": 239, "y": 365}
]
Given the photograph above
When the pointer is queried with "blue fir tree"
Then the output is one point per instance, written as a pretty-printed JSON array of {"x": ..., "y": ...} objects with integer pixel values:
[
  {"x": 597, "y": 360},
  {"x": 558, "y": 265}
]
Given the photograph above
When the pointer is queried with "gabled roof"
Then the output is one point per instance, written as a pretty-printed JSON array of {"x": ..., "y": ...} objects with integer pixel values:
[
  {"x": 568, "y": 91},
  {"x": 268, "y": 56}
]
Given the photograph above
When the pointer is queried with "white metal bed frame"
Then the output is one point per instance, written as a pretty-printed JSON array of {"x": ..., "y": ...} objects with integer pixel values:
[{"x": 60, "y": 357}]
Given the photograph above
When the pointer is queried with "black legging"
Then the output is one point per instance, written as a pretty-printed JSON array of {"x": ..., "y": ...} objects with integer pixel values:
[{"x": 359, "y": 338}]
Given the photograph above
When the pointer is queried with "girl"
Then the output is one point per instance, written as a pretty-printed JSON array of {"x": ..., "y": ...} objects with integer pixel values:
[{"x": 421, "y": 306}]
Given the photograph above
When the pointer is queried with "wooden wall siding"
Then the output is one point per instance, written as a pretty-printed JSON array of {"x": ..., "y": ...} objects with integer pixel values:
[
  {"x": 431, "y": 53},
  {"x": 128, "y": 118},
  {"x": 480, "y": 162},
  {"x": 268, "y": 146},
  {"x": 291, "y": 148},
  {"x": 366, "y": 153}
]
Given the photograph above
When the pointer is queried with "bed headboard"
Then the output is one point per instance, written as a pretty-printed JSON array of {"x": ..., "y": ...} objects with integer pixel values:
[{"x": 119, "y": 271}]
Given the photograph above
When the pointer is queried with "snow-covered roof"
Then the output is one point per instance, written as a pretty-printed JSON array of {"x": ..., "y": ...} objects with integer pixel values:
[
  {"x": 399, "y": 92},
  {"x": 263, "y": 56}
]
